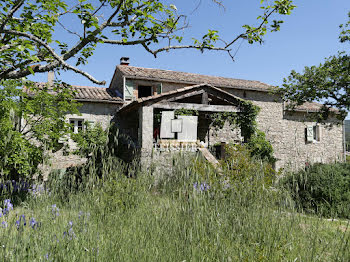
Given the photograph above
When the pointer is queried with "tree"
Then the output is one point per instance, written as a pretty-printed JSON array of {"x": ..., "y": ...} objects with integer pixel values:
[
  {"x": 29, "y": 44},
  {"x": 328, "y": 83},
  {"x": 31, "y": 123}
]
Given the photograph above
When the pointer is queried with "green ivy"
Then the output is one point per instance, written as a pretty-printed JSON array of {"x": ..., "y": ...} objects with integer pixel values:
[
  {"x": 255, "y": 139},
  {"x": 186, "y": 112},
  {"x": 245, "y": 120}
]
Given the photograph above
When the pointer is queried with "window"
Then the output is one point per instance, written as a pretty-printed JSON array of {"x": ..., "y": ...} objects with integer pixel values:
[
  {"x": 144, "y": 91},
  {"x": 77, "y": 125},
  {"x": 313, "y": 133}
]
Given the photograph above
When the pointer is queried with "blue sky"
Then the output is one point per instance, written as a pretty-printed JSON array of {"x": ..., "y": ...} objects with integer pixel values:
[{"x": 308, "y": 35}]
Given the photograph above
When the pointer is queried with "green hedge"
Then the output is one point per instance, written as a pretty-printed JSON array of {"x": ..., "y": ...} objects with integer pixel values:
[{"x": 323, "y": 189}]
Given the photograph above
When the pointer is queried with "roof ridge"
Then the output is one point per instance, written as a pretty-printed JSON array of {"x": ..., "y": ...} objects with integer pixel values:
[
  {"x": 76, "y": 86},
  {"x": 188, "y": 73}
]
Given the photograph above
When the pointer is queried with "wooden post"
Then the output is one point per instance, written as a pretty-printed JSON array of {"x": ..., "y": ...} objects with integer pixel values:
[
  {"x": 223, "y": 145},
  {"x": 205, "y": 99}
]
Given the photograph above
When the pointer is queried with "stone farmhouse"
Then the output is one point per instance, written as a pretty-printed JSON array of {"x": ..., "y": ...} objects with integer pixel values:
[{"x": 142, "y": 102}]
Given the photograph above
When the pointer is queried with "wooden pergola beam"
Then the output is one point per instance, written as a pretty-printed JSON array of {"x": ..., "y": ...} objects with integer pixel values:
[
  {"x": 176, "y": 98},
  {"x": 198, "y": 107}
]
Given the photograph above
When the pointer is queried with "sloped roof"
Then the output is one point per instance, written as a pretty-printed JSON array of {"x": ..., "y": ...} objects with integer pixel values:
[
  {"x": 190, "y": 78},
  {"x": 311, "y": 107},
  {"x": 89, "y": 94},
  {"x": 96, "y": 94},
  {"x": 158, "y": 97}
]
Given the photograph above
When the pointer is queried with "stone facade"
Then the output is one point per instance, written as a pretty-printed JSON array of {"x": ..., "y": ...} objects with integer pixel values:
[{"x": 284, "y": 129}]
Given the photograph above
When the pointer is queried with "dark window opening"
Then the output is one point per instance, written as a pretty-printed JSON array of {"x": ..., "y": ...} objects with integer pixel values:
[{"x": 145, "y": 91}]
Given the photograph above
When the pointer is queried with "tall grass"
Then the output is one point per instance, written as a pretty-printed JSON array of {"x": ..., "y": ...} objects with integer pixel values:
[{"x": 190, "y": 214}]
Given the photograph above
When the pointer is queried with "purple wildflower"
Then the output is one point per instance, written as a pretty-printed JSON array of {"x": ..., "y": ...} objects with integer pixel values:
[
  {"x": 18, "y": 222},
  {"x": 202, "y": 187},
  {"x": 4, "y": 224},
  {"x": 55, "y": 210},
  {"x": 8, "y": 204},
  {"x": 33, "y": 223},
  {"x": 24, "y": 220},
  {"x": 70, "y": 232}
]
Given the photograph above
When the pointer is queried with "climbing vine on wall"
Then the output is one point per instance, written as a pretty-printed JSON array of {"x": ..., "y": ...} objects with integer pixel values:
[
  {"x": 245, "y": 120},
  {"x": 255, "y": 139}
]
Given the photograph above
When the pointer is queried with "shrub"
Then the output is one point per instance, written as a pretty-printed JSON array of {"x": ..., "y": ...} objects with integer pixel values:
[
  {"x": 260, "y": 147},
  {"x": 239, "y": 165},
  {"x": 90, "y": 139},
  {"x": 323, "y": 189}
]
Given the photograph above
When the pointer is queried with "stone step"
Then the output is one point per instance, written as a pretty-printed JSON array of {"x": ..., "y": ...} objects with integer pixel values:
[{"x": 209, "y": 157}]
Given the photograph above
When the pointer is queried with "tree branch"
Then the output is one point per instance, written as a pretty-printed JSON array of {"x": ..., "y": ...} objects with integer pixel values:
[
  {"x": 92, "y": 36},
  {"x": 243, "y": 35},
  {"x": 10, "y": 14},
  {"x": 58, "y": 58},
  {"x": 119, "y": 42},
  {"x": 167, "y": 48}
]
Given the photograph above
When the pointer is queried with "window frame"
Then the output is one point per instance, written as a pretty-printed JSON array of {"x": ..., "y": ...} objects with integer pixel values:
[
  {"x": 76, "y": 128},
  {"x": 316, "y": 134}
]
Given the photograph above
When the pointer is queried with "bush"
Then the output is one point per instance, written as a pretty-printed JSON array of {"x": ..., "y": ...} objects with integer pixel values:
[
  {"x": 239, "y": 165},
  {"x": 323, "y": 189},
  {"x": 260, "y": 147}
]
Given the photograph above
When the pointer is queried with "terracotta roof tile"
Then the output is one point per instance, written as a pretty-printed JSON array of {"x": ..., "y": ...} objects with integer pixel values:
[
  {"x": 190, "y": 78},
  {"x": 308, "y": 107},
  {"x": 91, "y": 94}
]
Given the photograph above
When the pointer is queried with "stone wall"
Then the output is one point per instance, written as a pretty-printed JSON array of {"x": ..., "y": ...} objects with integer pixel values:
[
  {"x": 287, "y": 133},
  {"x": 294, "y": 152},
  {"x": 211, "y": 135},
  {"x": 117, "y": 83},
  {"x": 162, "y": 163}
]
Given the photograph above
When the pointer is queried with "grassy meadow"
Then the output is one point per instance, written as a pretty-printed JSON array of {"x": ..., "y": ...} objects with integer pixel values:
[{"x": 189, "y": 213}]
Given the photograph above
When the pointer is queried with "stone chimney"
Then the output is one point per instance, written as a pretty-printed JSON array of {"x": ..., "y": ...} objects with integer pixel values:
[
  {"x": 50, "y": 78},
  {"x": 124, "y": 61}
]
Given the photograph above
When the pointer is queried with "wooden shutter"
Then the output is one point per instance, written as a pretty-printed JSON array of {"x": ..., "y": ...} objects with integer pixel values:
[
  {"x": 129, "y": 90},
  {"x": 159, "y": 88}
]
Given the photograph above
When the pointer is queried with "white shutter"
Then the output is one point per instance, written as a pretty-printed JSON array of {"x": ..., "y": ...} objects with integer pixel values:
[
  {"x": 309, "y": 134},
  {"x": 165, "y": 126}
]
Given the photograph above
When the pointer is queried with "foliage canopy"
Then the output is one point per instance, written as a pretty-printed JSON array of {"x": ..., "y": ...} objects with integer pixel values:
[
  {"x": 31, "y": 122},
  {"x": 30, "y": 42},
  {"x": 327, "y": 83}
]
